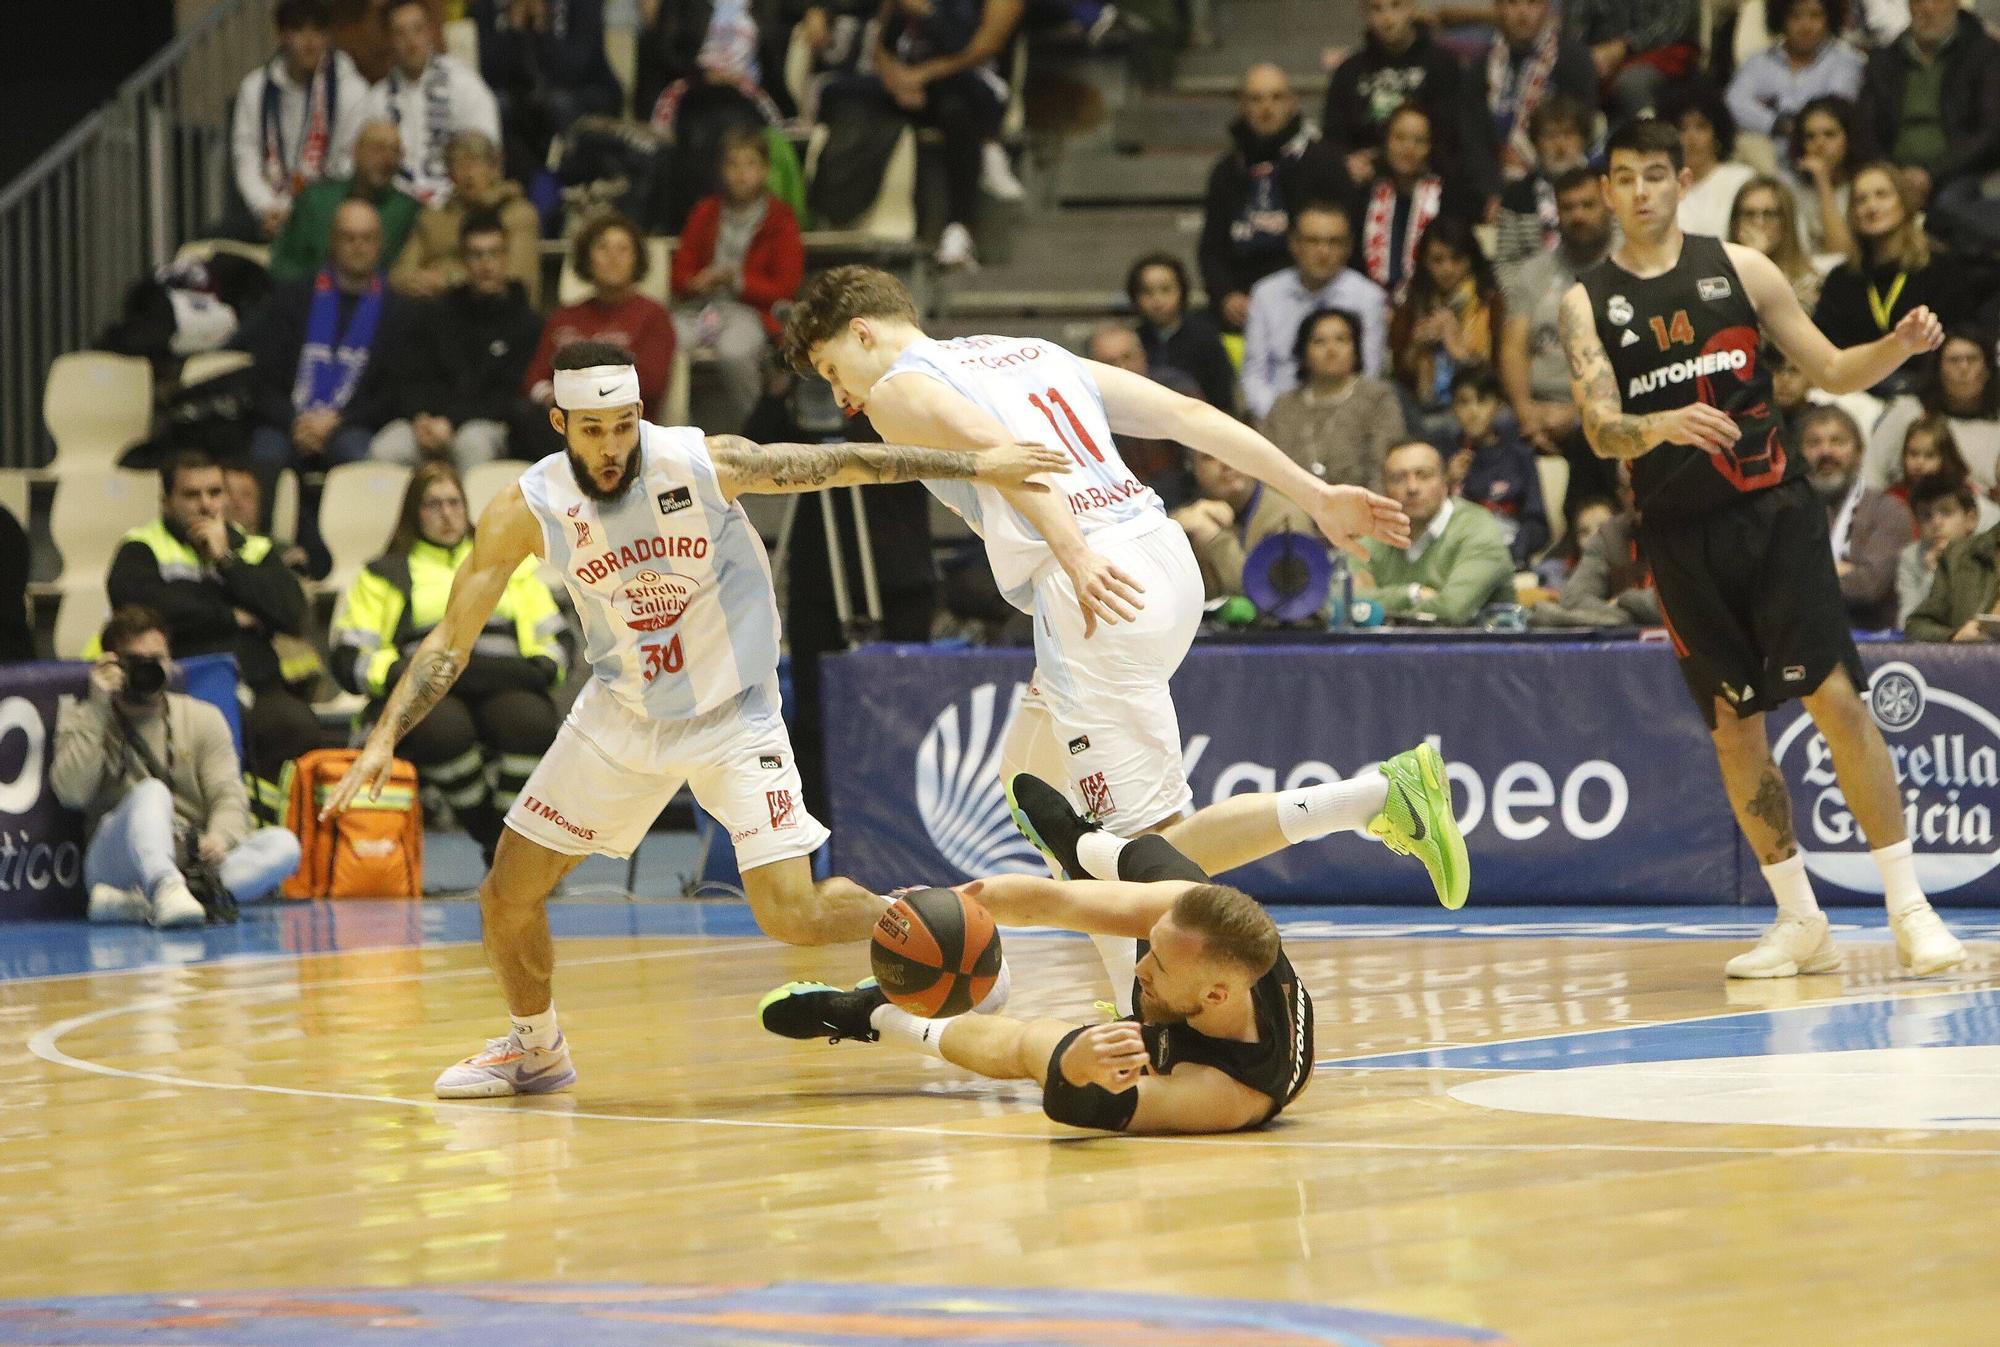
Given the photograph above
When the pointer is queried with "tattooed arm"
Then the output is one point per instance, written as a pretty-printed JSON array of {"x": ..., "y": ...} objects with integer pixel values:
[
  {"x": 1612, "y": 432},
  {"x": 742, "y": 466},
  {"x": 507, "y": 535}
]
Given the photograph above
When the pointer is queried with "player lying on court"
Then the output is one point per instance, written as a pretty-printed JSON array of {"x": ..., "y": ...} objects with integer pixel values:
[
  {"x": 680, "y": 624},
  {"x": 1222, "y": 1034}
]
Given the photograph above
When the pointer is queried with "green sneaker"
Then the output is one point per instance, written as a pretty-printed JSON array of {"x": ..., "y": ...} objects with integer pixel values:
[{"x": 1417, "y": 821}]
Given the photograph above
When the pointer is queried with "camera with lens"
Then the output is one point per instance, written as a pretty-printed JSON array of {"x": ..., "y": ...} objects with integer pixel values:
[{"x": 145, "y": 677}]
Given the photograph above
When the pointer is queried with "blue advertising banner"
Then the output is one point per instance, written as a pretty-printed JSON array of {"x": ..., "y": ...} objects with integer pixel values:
[{"x": 1581, "y": 771}]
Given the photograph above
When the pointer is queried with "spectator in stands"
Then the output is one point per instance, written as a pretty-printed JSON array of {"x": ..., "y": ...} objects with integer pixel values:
[
  {"x": 294, "y": 120},
  {"x": 1708, "y": 149},
  {"x": 1764, "y": 216},
  {"x": 1393, "y": 212},
  {"x": 701, "y": 76},
  {"x": 1322, "y": 241},
  {"x": 1826, "y": 149},
  {"x": 1338, "y": 422},
  {"x": 1587, "y": 515},
  {"x": 17, "y": 638},
  {"x": 1533, "y": 368},
  {"x": 1869, "y": 528},
  {"x": 1806, "y": 60},
  {"x": 1966, "y": 587},
  {"x": 1531, "y": 61},
  {"x": 544, "y": 61},
  {"x": 1930, "y": 450},
  {"x": 156, "y": 777},
  {"x": 462, "y": 388},
  {"x": 219, "y": 589},
  {"x": 1450, "y": 317},
  {"x": 1174, "y": 338},
  {"x": 1276, "y": 165},
  {"x": 1945, "y": 512},
  {"x": 611, "y": 257},
  {"x": 739, "y": 258},
  {"x": 935, "y": 61},
  {"x": 1234, "y": 514},
  {"x": 1400, "y": 61},
  {"x": 1932, "y": 99},
  {"x": 243, "y": 508},
  {"x": 1638, "y": 46},
  {"x": 430, "y": 261},
  {"x": 302, "y": 248},
  {"x": 1791, "y": 388},
  {"x": 1890, "y": 270},
  {"x": 430, "y": 97},
  {"x": 1457, "y": 561},
  {"x": 1959, "y": 382},
  {"x": 1159, "y": 464},
  {"x": 1611, "y": 584},
  {"x": 1493, "y": 467},
  {"x": 330, "y": 355},
  {"x": 478, "y": 745},
  {"x": 1525, "y": 224}
]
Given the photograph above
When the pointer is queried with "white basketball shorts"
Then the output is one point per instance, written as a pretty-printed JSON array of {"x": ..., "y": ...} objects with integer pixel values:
[
  {"x": 1107, "y": 695},
  {"x": 610, "y": 772}
]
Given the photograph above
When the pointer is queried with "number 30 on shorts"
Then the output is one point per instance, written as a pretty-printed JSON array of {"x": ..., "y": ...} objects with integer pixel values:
[{"x": 663, "y": 658}]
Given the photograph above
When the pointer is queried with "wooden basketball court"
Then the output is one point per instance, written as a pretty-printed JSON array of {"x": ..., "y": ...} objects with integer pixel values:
[{"x": 249, "y": 1111}]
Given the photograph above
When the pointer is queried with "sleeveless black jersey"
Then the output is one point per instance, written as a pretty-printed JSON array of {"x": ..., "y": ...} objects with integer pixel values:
[
  {"x": 1278, "y": 1064},
  {"x": 1691, "y": 335}
]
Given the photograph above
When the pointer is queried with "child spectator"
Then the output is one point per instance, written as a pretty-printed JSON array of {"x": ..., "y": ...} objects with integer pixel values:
[{"x": 1493, "y": 467}]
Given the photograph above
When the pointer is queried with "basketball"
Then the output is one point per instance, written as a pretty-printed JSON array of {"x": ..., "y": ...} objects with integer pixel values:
[{"x": 936, "y": 953}]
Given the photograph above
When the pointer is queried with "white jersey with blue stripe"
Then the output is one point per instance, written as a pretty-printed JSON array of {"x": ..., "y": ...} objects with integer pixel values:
[
  {"x": 1041, "y": 394},
  {"x": 670, "y": 580}
]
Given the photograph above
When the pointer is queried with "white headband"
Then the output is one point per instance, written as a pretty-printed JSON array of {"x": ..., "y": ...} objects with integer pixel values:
[{"x": 596, "y": 387}]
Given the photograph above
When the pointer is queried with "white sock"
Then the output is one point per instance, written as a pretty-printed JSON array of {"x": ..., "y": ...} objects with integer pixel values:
[
  {"x": 1121, "y": 955},
  {"x": 896, "y": 1022},
  {"x": 996, "y": 999},
  {"x": 1900, "y": 890},
  {"x": 1792, "y": 888},
  {"x": 537, "y": 1031},
  {"x": 1333, "y": 806},
  {"x": 1097, "y": 852}
]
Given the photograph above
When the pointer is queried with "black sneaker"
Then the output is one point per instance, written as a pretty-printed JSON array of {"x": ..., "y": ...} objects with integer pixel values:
[
  {"x": 808, "y": 1010},
  {"x": 1043, "y": 815}
]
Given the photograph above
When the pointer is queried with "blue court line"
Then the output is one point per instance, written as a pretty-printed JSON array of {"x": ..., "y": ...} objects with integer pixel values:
[
  {"x": 1957, "y": 1019},
  {"x": 281, "y": 929}
]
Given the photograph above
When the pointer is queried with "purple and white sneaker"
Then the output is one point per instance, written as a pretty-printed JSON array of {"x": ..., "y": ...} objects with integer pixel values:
[{"x": 506, "y": 1067}]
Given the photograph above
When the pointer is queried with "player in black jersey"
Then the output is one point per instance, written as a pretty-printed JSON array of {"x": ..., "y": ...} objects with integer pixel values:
[
  {"x": 1223, "y": 1034},
  {"x": 1662, "y": 338}
]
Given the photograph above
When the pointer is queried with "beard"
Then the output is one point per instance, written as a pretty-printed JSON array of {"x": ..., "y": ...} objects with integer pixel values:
[
  {"x": 1831, "y": 483},
  {"x": 586, "y": 480},
  {"x": 1152, "y": 1010}
]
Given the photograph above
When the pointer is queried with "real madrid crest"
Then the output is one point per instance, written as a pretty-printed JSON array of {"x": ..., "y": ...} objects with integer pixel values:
[{"x": 1619, "y": 310}]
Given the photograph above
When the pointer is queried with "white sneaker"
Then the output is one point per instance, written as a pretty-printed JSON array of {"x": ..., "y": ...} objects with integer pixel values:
[
  {"x": 1792, "y": 946},
  {"x": 506, "y": 1067},
  {"x": 173, "y": 905},
  {"x": 996, "y": 173},
  {"x": 1923, "y": 945},
  {"x": 110, "y": 904},
  {"x": 955, "y": 247}
]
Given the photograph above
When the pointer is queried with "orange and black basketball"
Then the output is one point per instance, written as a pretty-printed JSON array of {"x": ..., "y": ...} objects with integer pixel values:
[{"x": 936, "y": 953}]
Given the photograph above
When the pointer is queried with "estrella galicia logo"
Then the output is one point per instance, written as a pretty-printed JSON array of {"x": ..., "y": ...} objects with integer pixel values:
[
  {"x": 1946, "y": 752},
  {"x": 958, "y": 787}
]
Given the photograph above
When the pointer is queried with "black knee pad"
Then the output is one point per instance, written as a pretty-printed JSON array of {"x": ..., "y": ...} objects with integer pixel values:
[{"x": 1085, "y": 1105}]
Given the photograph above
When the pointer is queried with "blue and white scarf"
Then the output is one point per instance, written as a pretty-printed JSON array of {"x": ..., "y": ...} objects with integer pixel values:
[{"x": 332, "y": 362}]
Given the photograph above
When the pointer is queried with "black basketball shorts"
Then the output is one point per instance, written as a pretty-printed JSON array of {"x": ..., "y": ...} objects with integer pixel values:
[{"x": 1752, "y": 600}]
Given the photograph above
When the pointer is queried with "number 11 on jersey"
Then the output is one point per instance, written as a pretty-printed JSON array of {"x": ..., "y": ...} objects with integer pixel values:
[{"x": 1082, "y": 435}]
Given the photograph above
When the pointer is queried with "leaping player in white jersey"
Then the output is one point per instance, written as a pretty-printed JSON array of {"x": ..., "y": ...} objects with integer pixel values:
[
  {"x": 1098, "y": 713},
  {"x": 680, "y": 627}
]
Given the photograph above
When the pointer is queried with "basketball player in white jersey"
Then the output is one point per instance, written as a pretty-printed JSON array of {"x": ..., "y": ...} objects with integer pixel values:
[
  {"x": 1098, "y": 713},
  {"x": 681, "y": 630}
]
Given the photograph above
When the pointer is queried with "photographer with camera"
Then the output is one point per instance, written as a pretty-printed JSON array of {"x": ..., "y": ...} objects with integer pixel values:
[{"x": 156, "y": 776}]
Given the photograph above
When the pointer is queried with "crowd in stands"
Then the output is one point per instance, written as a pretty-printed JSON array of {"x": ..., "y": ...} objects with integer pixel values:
[{"x": 1375, "y": 286}]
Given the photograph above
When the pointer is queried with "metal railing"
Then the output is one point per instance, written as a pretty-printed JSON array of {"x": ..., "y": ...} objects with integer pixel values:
[{"x": 111, "y": 201}]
